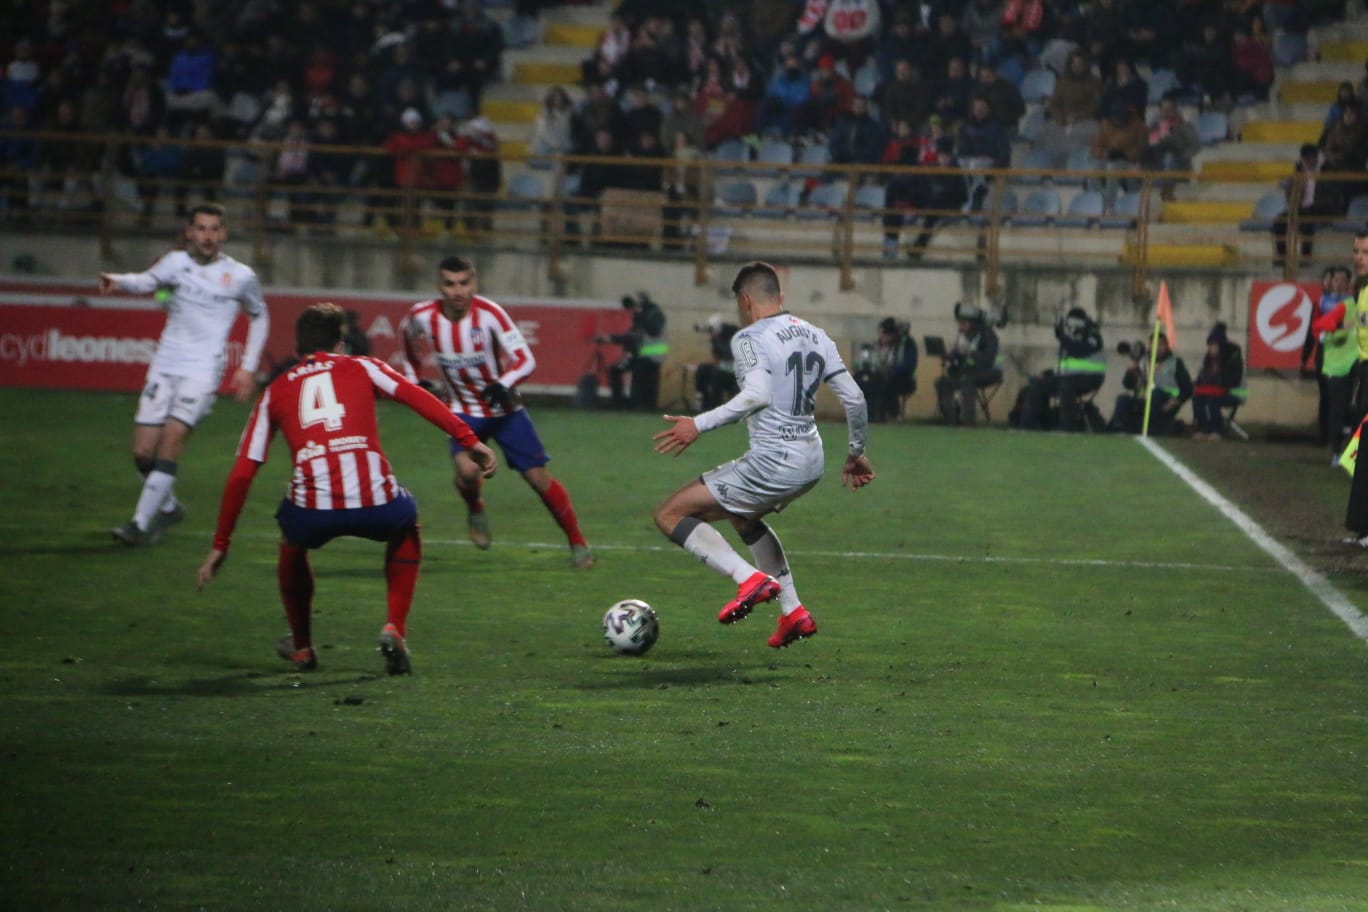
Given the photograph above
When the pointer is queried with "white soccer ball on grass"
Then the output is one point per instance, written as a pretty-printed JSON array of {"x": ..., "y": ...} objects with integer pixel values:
[{"x": 631, "y": 627}]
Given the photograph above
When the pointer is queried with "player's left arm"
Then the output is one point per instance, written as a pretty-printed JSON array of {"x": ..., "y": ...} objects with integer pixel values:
[
  {"x": 857, "y": 470},
  {"x": 253, "y": 305},
  {"x": 389, "y": 382}
]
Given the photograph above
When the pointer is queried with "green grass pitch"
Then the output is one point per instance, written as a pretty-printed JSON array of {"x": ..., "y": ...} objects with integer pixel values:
[{"x": 1048, "y": 677}]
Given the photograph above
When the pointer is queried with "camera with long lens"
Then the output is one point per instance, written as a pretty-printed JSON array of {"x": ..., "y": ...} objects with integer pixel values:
[{"x": 1135, "y": 350}]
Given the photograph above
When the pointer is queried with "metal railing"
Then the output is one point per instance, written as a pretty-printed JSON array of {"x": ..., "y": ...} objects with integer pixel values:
[{"x": 695, "y": 208}]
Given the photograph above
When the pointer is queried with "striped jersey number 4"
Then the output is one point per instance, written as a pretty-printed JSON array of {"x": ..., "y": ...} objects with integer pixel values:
[{"x": 318, "y": 403}]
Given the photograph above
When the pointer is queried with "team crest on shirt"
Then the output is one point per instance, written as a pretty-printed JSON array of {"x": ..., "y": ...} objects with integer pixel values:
[
  {"x": 226, "y": 280},
  {"x": 477, "y": 338}
]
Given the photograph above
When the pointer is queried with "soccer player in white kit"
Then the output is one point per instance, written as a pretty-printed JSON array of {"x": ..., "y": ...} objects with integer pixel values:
[
  {"x": 208, "y": 289},
  {"x": 781, "y": 360}
]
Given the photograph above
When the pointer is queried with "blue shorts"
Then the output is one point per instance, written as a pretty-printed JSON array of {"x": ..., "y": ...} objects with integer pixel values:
[
  {"x": 307, "y": 528},
  {"x": 514, "y": 434}
]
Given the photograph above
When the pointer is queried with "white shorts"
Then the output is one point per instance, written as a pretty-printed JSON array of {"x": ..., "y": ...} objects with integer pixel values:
[
  {"x": 754, "y": 485},
  {"x": 166, "y": 396}
]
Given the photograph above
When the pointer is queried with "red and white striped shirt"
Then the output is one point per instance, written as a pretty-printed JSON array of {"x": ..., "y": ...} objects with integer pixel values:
[
  {"x": 483, "y": 347},
  {"x": 325, "y": 408}
]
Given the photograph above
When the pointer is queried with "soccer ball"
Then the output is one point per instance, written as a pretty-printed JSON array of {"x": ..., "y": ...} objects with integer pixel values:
[{"x": 631, "y": 627}]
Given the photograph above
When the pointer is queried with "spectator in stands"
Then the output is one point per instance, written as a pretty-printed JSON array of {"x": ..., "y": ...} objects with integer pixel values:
[
  {"x": 657, "y": 54},
  {"x": 907, "y": 96},
  {"x": 639, "y": 115},
  {"x": 1315, "y": 201},
  {"x": 553, "y": 132},
  {"x": 741, "y": 103},
  {"x": 1206, "y": 66},
  {"x": 597, "y": 176},
  {"x": 981, "y": 136},
  {"x": 695, "y": 52},
  {"x": 1254, "y": 72},
  {"x": 681, "y": 130},
  {"x": 484, "y": 172},
  {"x": 789, "y": 89},
  {"x": 201, "y": 169},
  {"x": 407, "y": 168},
  {"x": 1004, "y": 98},
  {"x": 68, "y": 165},
  {"x": 291, "y": 169},
  {"x": 1122, "y": 136},
  {"x": 954, "y": 93},
  {"x": 1125, "y": 87},
  {"x": 904, "y": 41},
  {"x": 1172, "y": 142},
  {"x": 1025, "y": 26},
  {"x": 476, "y": 48},
  {"x": 644, "y": 148},
  {"x": 396, "y": 88},
  {"x": 330, "y": 173},
  {"x": 143, "y": 106},
  {"x": 23, "y": 77},
  {"x": 1345, "y": 97},
  {"x": 947, "y": 42},
  {"x": 446, "y": 171},
  {"x": 832, "y": 94},
  {"x": 982, "y": 22},
  {"x": 931, "y": 197},
  {"x": 710, "y": 94},
  {"x": 611, "y": 48},
  {"x": 158, "y": 162},
  {"x": 18, "y": 163},
  {"x": 1345, "y": 145},
  {"x": 190, "y": 78},
  {"x": 1146, "y": 39},
  {"x": 598, "y": 111},
  {"x": 856, "y": 137},
  {"x": 1077, "y": 93}
]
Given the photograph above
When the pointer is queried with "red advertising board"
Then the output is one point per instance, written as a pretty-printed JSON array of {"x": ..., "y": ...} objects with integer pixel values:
[
  {"x": 62, "y": 335},
  {"x": 1279, "y": 315}
]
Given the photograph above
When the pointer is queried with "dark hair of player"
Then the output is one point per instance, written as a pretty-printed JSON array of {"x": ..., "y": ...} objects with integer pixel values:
[
  {"x": 758, "y": 279},
  {"x": 213, "y": 209},
  {"x": 319, "y": 328},
  {"x": 455, "y": 263}
]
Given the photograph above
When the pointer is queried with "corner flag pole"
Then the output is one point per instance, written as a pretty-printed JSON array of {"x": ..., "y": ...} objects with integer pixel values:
[{"x": 1149, "y": 378}]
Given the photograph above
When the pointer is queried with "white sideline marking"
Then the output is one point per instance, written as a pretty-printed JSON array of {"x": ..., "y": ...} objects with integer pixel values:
[
  {"x": 1319, "y": 586},
  {"x": 885, "y": 555}
]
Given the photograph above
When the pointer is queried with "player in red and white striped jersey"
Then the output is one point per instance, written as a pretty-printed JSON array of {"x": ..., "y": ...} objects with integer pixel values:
[
  {"x": 342, "y": 483},
  {"x": 481, "y": 357}
]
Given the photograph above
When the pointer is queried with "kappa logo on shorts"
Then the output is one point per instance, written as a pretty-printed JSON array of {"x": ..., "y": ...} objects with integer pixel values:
[{"x": 723, "y": 491}]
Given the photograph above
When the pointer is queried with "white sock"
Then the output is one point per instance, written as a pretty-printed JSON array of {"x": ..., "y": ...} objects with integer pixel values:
[
  {"x": 155, "y": 490},
  {"x": 707, "y": 544},
  {"x": 769, "y": 557}
]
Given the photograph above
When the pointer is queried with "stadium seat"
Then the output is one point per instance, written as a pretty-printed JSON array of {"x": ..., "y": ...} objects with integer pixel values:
[
  {"x": 824, "y": 201},
  {"x": 1039, "y": 209},
  {"x": 1037, "y": 160},
  {"x": 1037, "y": 85},
  {"x": 1289, "y": 48},
  {"x": 736, "y": 198},
  {"x": 526, "y": 190},
  {"x": 1213, "y": 127},
  {"x": 1161, "y": 82},
  {"x": 978, "y": 217},
  {"x": 730, "y": 150},
  {"x": 1266, "y": 210},
  {"x": 1085, "y": 210},
  {"x": 1355, "y": 216},
  {"x": 1124, "y": 212},
  {"x": 775, "y": 152},
  {"x": 780, "y": 200},
  {"x": 1079, "y": 160},
  {"x": 870, "y": 201},
  {"x": 813, "y": 154},
  {"x": 1032, "y": 124}
]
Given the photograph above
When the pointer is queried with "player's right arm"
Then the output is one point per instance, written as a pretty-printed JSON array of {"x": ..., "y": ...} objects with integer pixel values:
[
  {"x": 256, "y": 438},
  {"x": 146, "y": 282}
]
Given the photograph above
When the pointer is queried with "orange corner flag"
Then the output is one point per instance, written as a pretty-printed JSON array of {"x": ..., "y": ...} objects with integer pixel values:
[{"x": 1163, "y": 312}]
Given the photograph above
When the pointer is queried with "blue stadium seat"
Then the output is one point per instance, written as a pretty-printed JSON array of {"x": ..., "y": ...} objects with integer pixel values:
[
  {"x": 1213, "y": 127},
  {"x": 824, "y": 201},
  {"x": 1040, "y": 208},
  {"x": 1266, "y": 210},
  {"x": 1355, "y": 216},
  {"x": 736, "y": 198},
  {"x": 1124, "y": 212},
  {"x": 1037, "y": 85},
  {"x": 1085, "y": 210},
  {"x": 780, "y": 200}
]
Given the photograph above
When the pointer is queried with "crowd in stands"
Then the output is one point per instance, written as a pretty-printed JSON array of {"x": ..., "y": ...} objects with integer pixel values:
[{"x": 872, "y": 81}]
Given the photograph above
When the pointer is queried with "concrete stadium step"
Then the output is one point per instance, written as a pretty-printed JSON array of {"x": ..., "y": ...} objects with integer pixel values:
[
  {"x": 1279, "y": 110},
  {"x": 1205, "y": 212},
  {"x": 1250, "y": 152},
  {"x": 1281, "y": 131},
  {"x": 508, "y": 110},
  {"x": 1353, "y": 51},
  {"x": 1320, "y": 91},
  {"x": 1161, "y": 255},
  {"x": 572, "y": 34},
  {"x": 545, "y": 73},
  {"x": 1236, "y": 171},
  {"x": 1245, "y": 192}
]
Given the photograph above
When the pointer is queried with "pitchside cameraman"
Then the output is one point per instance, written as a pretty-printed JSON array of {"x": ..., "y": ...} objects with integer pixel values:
[
  {"x": 643, "y": 352},
  {"x": 715, "y": 381},
  {"x": 1172, "y": 390}
]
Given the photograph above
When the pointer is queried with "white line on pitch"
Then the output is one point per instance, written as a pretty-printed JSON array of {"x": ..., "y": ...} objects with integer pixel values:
[
  {"x": 886, "y": 555},
  {"x": 1319, "y": 586}
]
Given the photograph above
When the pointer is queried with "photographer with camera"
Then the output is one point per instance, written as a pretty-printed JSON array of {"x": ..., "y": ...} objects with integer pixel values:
[
  {"x": 1081, "y": 368},
  {"x": 887, "y": 371},
  {"x": 643, "y": 352},
  {"x": 1172, "y": 390},
  {"x": 971, "y": 364},
  {"x": 715, "y": 381}
]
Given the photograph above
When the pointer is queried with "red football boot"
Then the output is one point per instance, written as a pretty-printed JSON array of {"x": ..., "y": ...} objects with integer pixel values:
[
  {"x": 793, "y": 627},
  {"x": 757, "y": 589}
]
